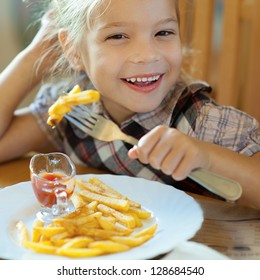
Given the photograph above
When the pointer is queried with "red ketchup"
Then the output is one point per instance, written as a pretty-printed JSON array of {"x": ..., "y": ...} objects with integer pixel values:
[{"x": 47, "y": 184}]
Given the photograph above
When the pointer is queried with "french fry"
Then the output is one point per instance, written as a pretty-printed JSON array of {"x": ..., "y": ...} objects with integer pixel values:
[
  {"x": 87, "y": 219},
  {"x": 147, "y": 231},
  {"x": 124, "y": 219},
  {"x": 46, "y": 243},
  {"x": 116, "y": 203},
  {"x": 81, "y": 211},
  {"x": 106, "y": 189},
  {"x": 44, "y": 238},
  {"x": 61, "y": 236},
  {"x": 97, "y": 186},
  {"x": 60, "y": 242},
  {"x": 109, "y": 219},
  {"x": 78, "y": 242},
  {"x": 23, "y": 233},
  {"x": 49, "y": 231},
  {"x": 80, "y": 220},
  {"x": 98, "y": 233},
  {"x": 141, "y": 213},
  {"x": 106, "y": 224},
  {"x": 70, "y": 227},
  {"x": 108, "y": 246},
  {"x": 77, "y": 200},
  {"x": 138, "y": 222},
  {"x": 83, "y": 97},
  {"x": 40, "y": 247},
  {"x": 79, "y": 252},
  {"x": 36, "y": 235},
  {"x": 131, "y": 241},
  {"x": 92, "y": 205}
]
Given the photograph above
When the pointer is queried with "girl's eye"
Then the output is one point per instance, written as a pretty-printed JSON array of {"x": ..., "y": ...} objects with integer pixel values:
[
  {"x": 165, "y": 33},
  {"x": 116, "y": 37}
]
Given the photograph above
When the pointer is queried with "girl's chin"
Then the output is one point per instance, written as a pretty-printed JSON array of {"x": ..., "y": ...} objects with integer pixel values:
[{"x": 145, "y": 109}]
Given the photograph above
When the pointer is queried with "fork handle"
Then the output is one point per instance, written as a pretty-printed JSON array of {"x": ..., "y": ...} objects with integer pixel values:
[
  {"x": 224, "y": 187},
  {"x": 129, "y": 139}
]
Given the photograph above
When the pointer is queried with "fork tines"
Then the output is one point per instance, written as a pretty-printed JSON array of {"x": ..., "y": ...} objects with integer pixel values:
[{"x": 81, "y": 118}]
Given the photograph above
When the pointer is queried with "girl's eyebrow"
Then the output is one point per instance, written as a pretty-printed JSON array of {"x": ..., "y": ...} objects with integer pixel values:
[
  {"x": 112, "y": 24},
  {"x": 122, "y": 24},
  {"x": 168, "y": 20}
]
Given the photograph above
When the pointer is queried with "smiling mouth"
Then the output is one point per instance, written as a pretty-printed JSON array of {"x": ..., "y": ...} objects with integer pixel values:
[{"x": 143, "y": 81}]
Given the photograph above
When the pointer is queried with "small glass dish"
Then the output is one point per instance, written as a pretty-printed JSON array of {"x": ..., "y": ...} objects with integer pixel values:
[{"x": 53, "y": 178}]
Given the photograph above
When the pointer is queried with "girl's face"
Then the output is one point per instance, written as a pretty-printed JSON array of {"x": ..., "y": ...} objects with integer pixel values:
[{"x": 133, "y": 55}]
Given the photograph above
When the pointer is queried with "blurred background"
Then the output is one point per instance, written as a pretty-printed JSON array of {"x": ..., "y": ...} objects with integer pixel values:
[
  {"x": 16, "y": 28},
  {"x": 18, "y": 25}
]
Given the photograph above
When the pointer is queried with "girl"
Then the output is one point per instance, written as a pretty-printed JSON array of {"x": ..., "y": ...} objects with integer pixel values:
[{"x": 131, "y": 52}]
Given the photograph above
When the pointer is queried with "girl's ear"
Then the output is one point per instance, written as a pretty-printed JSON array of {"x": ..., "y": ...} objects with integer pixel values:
[{"x": 70, "y": 52}]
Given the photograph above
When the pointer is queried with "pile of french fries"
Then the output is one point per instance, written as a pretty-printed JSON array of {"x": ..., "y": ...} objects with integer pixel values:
[{"x": 104, "y": 222}]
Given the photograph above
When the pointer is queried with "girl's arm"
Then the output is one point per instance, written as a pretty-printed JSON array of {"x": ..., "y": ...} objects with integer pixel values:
[
  {"x": 20, "y": 76},
  {"x": 23, "y": 135},
  {"x": 16, "y": 81},
  {"x": 241, "y": 168},
  {"x": 20, "y": 133}
]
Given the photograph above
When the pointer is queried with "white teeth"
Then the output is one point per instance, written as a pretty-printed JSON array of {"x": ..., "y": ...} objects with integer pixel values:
[{"x": 144, "y": 79}]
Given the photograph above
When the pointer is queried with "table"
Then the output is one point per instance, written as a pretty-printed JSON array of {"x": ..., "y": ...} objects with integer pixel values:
[{"x": 231, "y": 230}]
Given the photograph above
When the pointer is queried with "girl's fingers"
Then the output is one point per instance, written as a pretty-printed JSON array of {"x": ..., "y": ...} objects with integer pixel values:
[
  {"x": 162, "y": 149},
  {"x": 154, "y": 146},
  {"x": 189, "y": 156},
  {"x": 167, "y": 149},
  {"x": 179, "y": 167},
  {"x": 147, "y": 143},
  {"x": 133, "y": 153},
  {"x": 171, "y": 162}
]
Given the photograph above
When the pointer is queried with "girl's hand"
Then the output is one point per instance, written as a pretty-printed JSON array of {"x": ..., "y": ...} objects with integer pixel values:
[
  {"x": 171, "y": 151},
  {"x": 45, "y": 45}
]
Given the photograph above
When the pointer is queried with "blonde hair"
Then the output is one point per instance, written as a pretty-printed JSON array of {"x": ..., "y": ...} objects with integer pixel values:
[{"x": 77, "y": 17}]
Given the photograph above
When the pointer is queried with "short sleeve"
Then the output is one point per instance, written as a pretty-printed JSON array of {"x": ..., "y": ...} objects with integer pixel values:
[{"x": 228, "y": 127}]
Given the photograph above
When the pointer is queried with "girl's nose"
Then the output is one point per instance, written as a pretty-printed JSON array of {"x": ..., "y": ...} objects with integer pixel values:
[{"x": 144, "y": 52}]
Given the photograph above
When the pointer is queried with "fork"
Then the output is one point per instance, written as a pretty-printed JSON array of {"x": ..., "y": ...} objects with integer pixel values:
[{"x": 106, "y": 130}]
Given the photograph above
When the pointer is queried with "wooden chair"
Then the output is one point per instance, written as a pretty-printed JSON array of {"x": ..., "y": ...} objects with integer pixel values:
[{"x": 233, "y": 66}]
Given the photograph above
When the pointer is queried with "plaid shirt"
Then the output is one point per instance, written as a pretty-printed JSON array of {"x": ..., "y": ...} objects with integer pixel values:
[{"x": 187, "y": 108}]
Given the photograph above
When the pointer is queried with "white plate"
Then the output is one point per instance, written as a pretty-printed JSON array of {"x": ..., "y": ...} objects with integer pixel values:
[
  {"x": 190, "y": 250},
  {"x": 178, "y": 216}
]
